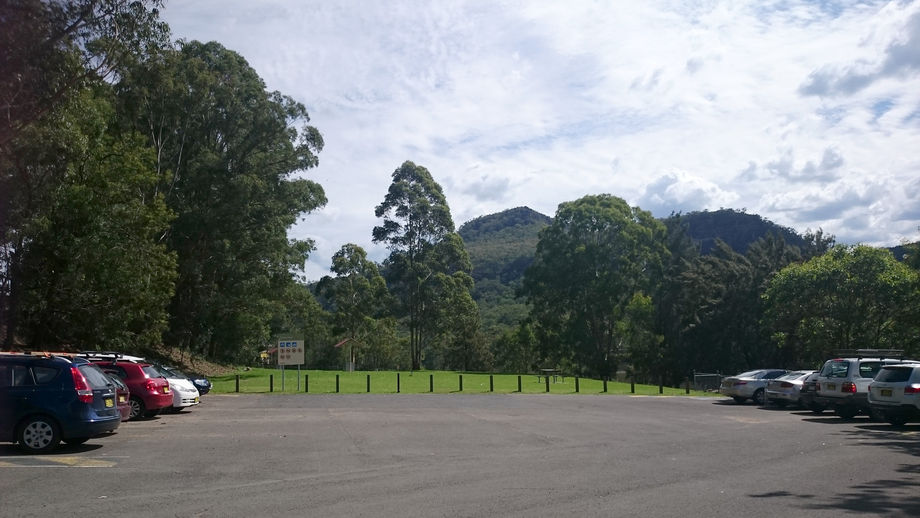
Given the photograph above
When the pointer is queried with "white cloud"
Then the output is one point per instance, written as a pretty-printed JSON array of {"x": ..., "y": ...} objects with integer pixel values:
[{"x": 698, "y": 104}]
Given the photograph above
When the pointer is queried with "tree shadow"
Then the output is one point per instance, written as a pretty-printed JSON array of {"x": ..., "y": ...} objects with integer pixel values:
[{"x": 896, "y": 496}]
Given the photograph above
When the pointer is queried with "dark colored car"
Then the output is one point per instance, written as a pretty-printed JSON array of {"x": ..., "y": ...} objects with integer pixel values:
[
  {"x": 808, "y": 393},
  {"x": 149, "y": 389},
  {"x": 123, "y": 396},
  {"x": 48, "y": 399}
]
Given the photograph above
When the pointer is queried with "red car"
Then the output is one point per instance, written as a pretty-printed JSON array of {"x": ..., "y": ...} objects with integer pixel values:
[{"x": 149, "y": 390}]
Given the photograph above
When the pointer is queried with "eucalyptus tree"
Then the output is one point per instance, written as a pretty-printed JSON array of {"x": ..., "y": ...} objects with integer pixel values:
[
  {"x": 55, "y": 127},
  {"x": 851, "y": 297},
  {"x": 358, "y": 296},
  {"x": 591, "y": 261},
  {"x": 226, "y": 153},
  {"x": 427, "y": 259},
  {"x": 93, "y": 273},
  {"x": 721, "y": 299}
]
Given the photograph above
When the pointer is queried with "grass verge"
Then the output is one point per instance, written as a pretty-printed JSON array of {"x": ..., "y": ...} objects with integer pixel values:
[{"x": 423, "y": 382}]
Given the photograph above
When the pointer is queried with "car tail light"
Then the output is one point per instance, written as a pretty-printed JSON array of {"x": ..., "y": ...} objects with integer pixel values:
[
  {"x": 739, "y": 383},
  {"x": 913, "y": 388},
  {"x": 84, "y": 393},
  {"x": 151, "y": 386},
  {"x": 848, "y": 386},
  {"x": 785, "y": 384}
]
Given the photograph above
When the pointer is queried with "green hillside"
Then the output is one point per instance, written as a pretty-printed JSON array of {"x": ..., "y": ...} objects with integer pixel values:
[{"x": 501, "y": 247}]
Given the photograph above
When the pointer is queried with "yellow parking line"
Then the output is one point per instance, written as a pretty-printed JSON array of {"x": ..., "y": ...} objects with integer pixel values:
[{"x": 55, "y": 462}]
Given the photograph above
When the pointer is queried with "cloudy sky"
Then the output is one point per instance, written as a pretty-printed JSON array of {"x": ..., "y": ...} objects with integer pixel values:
[{"x": 805, "y": 112}]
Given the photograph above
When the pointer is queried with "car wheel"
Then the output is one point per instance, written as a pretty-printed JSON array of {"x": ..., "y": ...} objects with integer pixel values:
[
  {"x": 137, "y": 408},
  {"x": 151, "y": 413},
  {"x": 846, "y": 412},
  {"x": 739, "y": 399},
  {"x": 76, "y": 441},
  {"x": 38, "y": 434},
  {"x": 758, "y": 397},
  {"x": 896, "y": 420}
]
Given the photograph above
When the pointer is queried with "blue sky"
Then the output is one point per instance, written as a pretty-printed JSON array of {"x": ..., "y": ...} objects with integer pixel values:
[{"x": 803, "y": 112}]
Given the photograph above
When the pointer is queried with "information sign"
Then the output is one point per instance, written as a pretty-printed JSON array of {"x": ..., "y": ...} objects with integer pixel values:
[{"x": 290, "y": 352}]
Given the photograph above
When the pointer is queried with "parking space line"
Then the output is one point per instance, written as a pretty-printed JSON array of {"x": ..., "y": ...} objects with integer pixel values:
[{"x": 54, "y": 462}]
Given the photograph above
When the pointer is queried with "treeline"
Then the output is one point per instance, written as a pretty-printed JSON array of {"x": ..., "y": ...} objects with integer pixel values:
[{"x": 147, "y": 187}]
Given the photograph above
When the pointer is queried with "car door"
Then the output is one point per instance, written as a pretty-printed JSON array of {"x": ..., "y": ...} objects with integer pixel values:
[{"x": 17, "y": 391}]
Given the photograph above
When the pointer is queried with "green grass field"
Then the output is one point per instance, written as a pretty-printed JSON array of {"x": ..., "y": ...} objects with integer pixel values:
[{"x": 444, "y": 382}]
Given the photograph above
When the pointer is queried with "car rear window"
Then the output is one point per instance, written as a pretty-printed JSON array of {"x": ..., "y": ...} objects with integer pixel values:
[
  {"x": 94, "y": 376},
  {"x": 835, "y": 369},
  {"x": 894, "y": 374},
  {"x": 869, "y": 369},
  {"x": 151, "y": 371}
]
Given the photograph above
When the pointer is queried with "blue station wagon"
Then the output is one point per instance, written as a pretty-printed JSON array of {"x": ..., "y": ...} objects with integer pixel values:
[{"x": 48, "y": 399}]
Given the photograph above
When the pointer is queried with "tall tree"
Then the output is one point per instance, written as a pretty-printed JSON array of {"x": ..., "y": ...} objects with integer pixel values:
[
  {"x": 426, "y": 256},
  {"x": 93, "y": 274},
  {"x": 226, "y": 153},
  {"x": 53, "y": 51},
  {"x": 597, "y": 254},
  {"x": 851, "y": 297},
  {"x": 721, "y": 297},
  {"x": 358, "y": 295}
]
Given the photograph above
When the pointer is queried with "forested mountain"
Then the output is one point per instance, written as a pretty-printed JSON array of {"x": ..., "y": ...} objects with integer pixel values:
[
  {"x": 501, "y": 247},
  {"x": 737, "y": 229}
]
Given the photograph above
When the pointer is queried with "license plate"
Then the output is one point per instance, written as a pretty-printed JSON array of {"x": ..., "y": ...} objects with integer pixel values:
[
  {"x": 830, "y": 386},
  {"x": 886, "y": 392},
  {"x": 109, "y": 403}
]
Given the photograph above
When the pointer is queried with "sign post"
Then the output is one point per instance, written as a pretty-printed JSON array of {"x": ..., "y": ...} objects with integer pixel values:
[{"x": 290, "y": 352}]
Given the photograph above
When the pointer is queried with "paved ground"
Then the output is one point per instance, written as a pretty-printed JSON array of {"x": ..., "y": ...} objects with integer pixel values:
[{"x": 474, "y": 455}]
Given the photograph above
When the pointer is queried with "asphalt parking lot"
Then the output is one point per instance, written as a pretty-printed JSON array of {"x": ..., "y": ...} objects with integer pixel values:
[{"x": 474, "y": 455}]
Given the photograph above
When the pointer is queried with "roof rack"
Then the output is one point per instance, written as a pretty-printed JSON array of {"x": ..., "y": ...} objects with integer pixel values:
[{"x": 896, "y": 354}]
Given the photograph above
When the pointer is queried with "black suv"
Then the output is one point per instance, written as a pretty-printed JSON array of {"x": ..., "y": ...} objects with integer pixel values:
[{"x": 45, "y": 399}]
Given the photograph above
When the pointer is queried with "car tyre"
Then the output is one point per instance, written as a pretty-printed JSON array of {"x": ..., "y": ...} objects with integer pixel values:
[
  {"x": 76, "y": 441},
  {"x": 38, "y": 434},
  {"x": 137, "y": 408},
  {"x": 896, "y": 420},
  {"x": 739, "y": 399},
  {"x": 151, "y": 413},
  {"x": 846, "y": 412},
  {"x": 758, "y": 397}
]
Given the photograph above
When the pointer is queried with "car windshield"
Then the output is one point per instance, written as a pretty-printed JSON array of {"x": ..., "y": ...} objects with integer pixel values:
[
  {"x": 751, "y": 374},
  {"x": 894, "y": 374},
  {"x": 175, "y": 373}
]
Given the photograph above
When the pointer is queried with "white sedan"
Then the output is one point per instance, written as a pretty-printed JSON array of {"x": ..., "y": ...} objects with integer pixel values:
[
  {"x": 749, "y": 385},
  {"x": 185, "y": 394}
]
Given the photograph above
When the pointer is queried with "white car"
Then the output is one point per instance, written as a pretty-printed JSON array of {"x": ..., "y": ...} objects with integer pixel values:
[
  {"x": 843, "y": 383},
  {"x": 895, "y": 393},
  {"x": 786, "y": 389},
  {"x": 185, "y": 394},
  {"x": 749, "y": 385}
]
